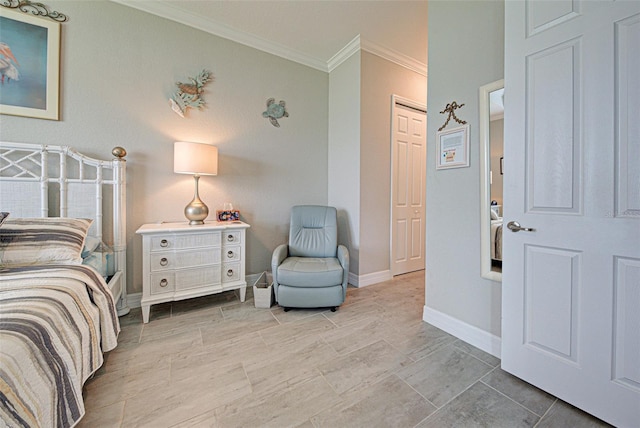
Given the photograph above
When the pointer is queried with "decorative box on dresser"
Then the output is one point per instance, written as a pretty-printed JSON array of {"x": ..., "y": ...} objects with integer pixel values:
[{"x": 182, "y": 261}]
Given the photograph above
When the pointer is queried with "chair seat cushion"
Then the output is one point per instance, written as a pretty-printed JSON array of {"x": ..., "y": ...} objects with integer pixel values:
[{"x": 310, "y": 272}]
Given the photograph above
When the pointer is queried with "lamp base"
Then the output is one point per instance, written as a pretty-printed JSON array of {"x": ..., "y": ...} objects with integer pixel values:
[{"x": 197, "y": 210}]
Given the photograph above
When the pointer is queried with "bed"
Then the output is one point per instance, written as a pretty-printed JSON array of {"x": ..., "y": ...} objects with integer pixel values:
[
  {"x": 496, "y": 240},
  {"x": 59, "y": 299}
]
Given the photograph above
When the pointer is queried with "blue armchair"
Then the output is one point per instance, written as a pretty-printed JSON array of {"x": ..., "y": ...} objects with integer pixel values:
[{"x": 312, "y": 270}]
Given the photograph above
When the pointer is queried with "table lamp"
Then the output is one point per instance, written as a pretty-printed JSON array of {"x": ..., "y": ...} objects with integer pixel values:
[{"x": 197, "y": 159}]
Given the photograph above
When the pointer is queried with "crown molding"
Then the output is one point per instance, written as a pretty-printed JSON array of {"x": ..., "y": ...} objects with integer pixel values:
[
  {"x": 394, "y": 56},
  {"x": 344, "y": 54},
  {"x": 358, "y": 44},
  {"x": 178, "y": 15}
]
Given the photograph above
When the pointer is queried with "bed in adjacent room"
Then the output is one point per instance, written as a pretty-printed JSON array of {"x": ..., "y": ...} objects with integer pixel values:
[
  {"x": 62, "y": 278},
  {"x": 496, "y": 239}
]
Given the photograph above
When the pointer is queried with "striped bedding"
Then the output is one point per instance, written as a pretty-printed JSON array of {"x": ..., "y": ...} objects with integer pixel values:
[{"x": 55, "y": 324}]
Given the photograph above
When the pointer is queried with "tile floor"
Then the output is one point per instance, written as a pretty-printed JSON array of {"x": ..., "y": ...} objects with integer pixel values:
[{"x": 216, "y": 362}]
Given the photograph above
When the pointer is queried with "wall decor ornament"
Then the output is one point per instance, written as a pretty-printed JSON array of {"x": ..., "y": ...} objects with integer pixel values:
[
  {"x": 189, "y": 95},
  {"x": 275, "y": 111},
  {"x": 451, "y": 108},
  {"x": 34, "y": 8},
  {"x": 29, "y": 65}
]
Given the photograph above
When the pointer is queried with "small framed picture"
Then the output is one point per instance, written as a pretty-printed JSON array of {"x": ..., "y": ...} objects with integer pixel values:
[
  {"x": 453, "y": 148},
  {"x": 233, "y": 215}
]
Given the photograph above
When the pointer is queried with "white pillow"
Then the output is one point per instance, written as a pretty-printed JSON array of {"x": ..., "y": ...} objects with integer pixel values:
[
  {"x": 46, "y": 240},
  {"x": 91, "y": 243}
]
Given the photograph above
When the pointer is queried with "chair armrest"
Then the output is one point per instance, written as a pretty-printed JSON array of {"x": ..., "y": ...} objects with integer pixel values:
[
  {"x": 343, "y": 258},
  {"x": 279, "y": 254}
]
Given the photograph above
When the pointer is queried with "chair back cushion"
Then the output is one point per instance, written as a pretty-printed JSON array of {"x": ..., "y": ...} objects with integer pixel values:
[{"x": 313, "y": 231}]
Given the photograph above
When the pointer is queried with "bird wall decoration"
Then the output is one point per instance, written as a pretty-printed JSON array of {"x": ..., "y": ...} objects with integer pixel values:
[{"x": 189, "y": 95}]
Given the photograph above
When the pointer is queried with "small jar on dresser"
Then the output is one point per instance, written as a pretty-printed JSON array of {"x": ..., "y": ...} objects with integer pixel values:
[{"x": 181, "y": 261}]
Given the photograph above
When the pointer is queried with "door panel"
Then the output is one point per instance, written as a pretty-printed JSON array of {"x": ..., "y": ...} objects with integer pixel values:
[
  {"x": 408, "y": 181},
  {"x": 542, "y": 17},
  {"x": 551, "y": 300},
  {"x": 627, "y": 323},
  {"x": 571, "y": 287},
  {"x": 553, "y": 129},
  {"x": 627, "y": 51}
]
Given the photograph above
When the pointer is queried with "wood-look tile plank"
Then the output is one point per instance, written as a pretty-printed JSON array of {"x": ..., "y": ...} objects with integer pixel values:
[
  {"x": 363, "y": 367},
  {"x": 389, "y": 403}
]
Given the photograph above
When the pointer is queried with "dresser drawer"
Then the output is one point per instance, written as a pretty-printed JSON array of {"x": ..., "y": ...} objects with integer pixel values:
[
  {"x": 162, "y": 283},
  {"x": 196, "y": 278},
  {"x": 232, "y": 254},
  {"x": 230, "y": 272},
  {"x": 183, "y": 259},
  {"x": 190, "y": 240},
  {"x": 232, "y": 237}
]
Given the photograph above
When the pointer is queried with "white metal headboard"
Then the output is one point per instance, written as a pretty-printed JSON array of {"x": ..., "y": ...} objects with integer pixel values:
[{"x": 46, "y": 181}]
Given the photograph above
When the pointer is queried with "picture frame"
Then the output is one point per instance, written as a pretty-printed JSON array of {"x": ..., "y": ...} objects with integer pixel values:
[
  {"x": 453, "y": 148},
  {"x": 223, "y": 216},
  {"x": 30, "y": 84}
]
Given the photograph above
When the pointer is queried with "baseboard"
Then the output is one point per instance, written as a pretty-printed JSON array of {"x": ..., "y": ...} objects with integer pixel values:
[
  {"x": 370, "y": 278},
  {"x": 463, "y": 331}
]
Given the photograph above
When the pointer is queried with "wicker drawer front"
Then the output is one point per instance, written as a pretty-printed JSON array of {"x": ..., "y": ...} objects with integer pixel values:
[
  {"x": 196, "y": 278},
  {"x": 191, "y": 240},
  {"x": 183, "y": 259},
  {"x": 232, "y": 254},
  {"x": 163, "y": 282},
  {"x": 232, "y": 237},
  {"x": 230, "y": 272}
]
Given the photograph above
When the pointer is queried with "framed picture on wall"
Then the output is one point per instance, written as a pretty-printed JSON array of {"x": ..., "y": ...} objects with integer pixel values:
[
  {"x": 453, "y": 147},
  {"x": 29, "y": 65}
]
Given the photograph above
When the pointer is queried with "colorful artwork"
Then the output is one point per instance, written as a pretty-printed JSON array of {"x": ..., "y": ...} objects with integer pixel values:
[{"x": 29, "y": 58}]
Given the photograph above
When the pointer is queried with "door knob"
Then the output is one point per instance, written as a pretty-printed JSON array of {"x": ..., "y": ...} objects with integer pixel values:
[{"x": 514, "y": 226}]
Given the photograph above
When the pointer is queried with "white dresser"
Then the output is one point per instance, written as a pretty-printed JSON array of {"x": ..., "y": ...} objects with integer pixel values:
[{"x": 182, "y": 261}]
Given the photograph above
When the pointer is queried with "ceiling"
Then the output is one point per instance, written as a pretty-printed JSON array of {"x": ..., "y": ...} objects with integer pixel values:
[{"x": 319, "y": 34}]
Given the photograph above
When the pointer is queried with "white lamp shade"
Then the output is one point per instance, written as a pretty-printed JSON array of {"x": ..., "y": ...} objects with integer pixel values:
[{"x": 195, "y": 158}]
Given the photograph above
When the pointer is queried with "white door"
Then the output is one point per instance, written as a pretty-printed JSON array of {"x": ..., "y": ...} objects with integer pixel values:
[
  {"x": 571, "y": 288},
  {"x": 408, "y": 179}
]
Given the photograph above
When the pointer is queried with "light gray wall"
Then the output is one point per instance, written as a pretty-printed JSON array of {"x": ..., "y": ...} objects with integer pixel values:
[
  {"x": 380, "y": 80},
  {"x": 118, "y": 68},
  {"x": 466, "y": 51},
  {"x": 344, "y": 154}
]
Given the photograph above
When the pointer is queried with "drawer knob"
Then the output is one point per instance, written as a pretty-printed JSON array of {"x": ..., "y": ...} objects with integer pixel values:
[
  {"x": 164, "y": 261},
  {"x": 164, "y": 282},
  {"x": 230, "y": 273},
  {"x": 164, "y": 243},
  {"x": 231, "y": 238},
  {"x": 230, "y": 254}
]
